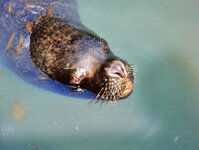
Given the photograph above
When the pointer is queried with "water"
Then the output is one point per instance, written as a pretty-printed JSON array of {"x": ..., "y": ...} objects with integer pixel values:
[{"x": 161, "y": 37}]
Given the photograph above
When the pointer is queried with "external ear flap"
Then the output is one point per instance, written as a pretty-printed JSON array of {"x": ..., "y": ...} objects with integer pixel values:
[
  {"x": 77, "y": 76},
  {"x": 117, "y": 69}
]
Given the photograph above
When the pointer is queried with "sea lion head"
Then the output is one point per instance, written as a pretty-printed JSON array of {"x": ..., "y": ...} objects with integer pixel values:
[{"x": 116, "y": 78}]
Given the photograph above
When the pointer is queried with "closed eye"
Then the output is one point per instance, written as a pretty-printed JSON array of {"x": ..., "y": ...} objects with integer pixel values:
[{"x": 119, "y": 74}]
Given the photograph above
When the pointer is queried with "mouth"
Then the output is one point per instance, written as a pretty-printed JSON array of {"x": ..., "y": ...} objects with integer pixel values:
[{"x": 128, "y": 88}]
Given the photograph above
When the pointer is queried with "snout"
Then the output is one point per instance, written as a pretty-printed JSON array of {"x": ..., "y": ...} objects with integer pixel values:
[{"x": 128, "y": 88}]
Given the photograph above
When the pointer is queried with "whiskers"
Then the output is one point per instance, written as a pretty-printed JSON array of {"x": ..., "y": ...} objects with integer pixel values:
[
  {"x": 110, "y": 91},
  {"x": 113, "y": 89},
  {"x": 131, "y": 71}
]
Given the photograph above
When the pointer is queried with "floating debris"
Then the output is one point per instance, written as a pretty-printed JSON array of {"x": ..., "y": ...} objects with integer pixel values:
[
  {"x": 161, "y": 7},
  {"x": 76, "y": 128},
  {"x": 43, "y": 77},
  {"x": 55, "y": 122},
  {"x": 10, "y": 9},
  {"x": 18, "y": 109},
  {"x": 49, "y": 11},
  {"x": 20, "y": 46},
  {"x": 21, "y": 74},
  {"x": 9, "y": 45},
  {"x": 176, "y": 139},
  {"x": 6, "y": 130}
]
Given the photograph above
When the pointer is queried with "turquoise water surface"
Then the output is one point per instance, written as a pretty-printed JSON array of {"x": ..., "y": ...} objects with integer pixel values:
[{"x": 161, "y": 38}]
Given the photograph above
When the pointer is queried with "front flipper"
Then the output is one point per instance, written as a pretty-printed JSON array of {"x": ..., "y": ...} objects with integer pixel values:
[{"x": 77, "y": 76}]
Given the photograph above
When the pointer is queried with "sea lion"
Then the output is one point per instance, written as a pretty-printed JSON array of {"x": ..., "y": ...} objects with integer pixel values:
[
  {"x": 79, "y": 58},
  {"x": 45, "y": 41}
]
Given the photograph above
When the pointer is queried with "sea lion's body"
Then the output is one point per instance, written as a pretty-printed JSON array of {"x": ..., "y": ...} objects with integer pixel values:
[
  {"x": 56, "y": 50},
  {"x": 60, "y": 48}
]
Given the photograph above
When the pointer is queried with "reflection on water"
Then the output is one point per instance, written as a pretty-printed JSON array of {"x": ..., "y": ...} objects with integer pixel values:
[{"x": 161, "y": 38}]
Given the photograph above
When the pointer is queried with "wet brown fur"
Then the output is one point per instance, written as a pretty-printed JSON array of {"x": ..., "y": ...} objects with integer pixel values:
[
  {"x": 58, "y": 49},
  {"x": 52, "y": 47}
]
